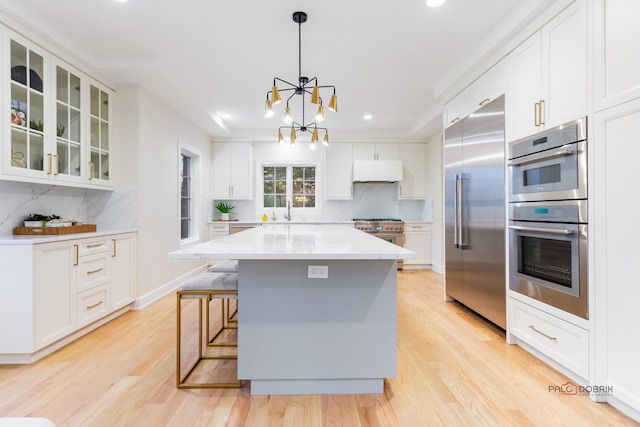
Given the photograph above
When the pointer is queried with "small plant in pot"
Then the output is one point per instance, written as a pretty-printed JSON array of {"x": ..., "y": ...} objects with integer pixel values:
[
  {"x": 225, "y": 209},
  {"x": 37, "y": 220}
]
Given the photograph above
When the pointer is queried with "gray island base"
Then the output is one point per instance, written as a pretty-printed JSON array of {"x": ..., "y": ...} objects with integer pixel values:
[
  {"x": 301, "y": 335},
  {"x": 317, "y": 336}
]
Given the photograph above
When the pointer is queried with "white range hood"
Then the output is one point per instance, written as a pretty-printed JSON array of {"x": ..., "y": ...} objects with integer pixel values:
[{"x": 377, "y": 170}]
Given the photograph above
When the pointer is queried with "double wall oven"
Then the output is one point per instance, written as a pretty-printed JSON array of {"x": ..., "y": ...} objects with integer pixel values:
[
  {"x": 389, "y": 229},
  {"x": 548, "y": 217}
]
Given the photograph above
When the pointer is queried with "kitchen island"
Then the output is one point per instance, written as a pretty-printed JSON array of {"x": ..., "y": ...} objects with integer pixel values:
[{"x": 301, "y": 335}]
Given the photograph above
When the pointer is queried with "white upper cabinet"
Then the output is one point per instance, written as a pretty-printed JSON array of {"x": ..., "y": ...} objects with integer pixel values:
[
  {"x": 59, "y": 128},
  {"x": 457, "y": 109},
  {"x": 617, "y": 43},
  {"x": 28, "y": 152},
  {"x": 339, "y": 168},
  {"x": 547, "y": 75},
  {"x": 414, "y": 171},
  {"x": 370, "y": 151},
  {"x": 100, "y": 134},
  {"x": 489, "y": 86},
  {"x": 232, "y": 164},
  {"x": 485, "y": 89}
]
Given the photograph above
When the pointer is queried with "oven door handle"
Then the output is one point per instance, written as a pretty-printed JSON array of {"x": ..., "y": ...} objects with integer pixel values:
[
  {"x": 546, "y": 156},
  {"x": 564, "y": 232}
]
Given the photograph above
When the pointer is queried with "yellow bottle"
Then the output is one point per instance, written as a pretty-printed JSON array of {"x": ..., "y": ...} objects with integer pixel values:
[{"x": 264, "y": 218}]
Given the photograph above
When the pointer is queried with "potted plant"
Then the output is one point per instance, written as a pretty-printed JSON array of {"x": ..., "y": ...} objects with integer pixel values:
[
  {"x": 225, "y": 209},
  {"x": 37, "y": 220}
]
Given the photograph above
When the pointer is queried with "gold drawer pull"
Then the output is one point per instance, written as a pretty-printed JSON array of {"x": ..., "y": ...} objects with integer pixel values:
[
  {"x": 95, "y": 246},
  {"x": 95, "y": 271},
  {"x": 89, "y": 307},
  {"x": 542, "y": 333},
  {"x": 484, "y": 101}
]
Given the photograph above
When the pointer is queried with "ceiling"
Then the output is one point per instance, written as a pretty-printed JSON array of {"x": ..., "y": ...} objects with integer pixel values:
[{"x": 215, "y": 60}]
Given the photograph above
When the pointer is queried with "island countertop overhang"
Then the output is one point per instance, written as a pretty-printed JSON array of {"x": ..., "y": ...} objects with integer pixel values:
[{"x": 296, "y": 242}]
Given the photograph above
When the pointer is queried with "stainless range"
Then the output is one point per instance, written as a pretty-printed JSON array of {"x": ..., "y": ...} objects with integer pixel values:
[{"x": 389, "y": 229}]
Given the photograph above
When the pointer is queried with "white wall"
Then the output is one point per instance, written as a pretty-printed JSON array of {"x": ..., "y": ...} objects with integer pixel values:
[{"x": 154, "y": 132}]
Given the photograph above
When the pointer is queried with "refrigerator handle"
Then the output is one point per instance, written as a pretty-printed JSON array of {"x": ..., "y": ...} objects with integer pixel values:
[
  {"x": 455, "y": 212},
  {"x": 460, "y": 221}
]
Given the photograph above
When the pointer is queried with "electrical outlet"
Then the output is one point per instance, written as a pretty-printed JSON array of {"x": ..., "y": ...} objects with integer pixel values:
[{"x": 318, "y": 272}]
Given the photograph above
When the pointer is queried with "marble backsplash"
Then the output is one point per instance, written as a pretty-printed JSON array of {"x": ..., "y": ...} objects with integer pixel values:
[
  {"x": 379, "y": 200},
  {"x": 110, "y": 210},
  {"x": 117, "y": 209}
]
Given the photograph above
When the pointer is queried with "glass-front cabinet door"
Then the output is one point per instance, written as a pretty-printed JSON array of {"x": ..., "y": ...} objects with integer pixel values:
[
  {"x": 26, "y": 148},
  {"x": 57, "y": 119},
  {"x": 100, "y": 110},
  {"x": 68, "y": 95}
]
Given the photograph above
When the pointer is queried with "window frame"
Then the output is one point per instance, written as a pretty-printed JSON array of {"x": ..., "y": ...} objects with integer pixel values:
[
  {"x": 195, "y": 204},
  {"x": 289, "y": 194}
]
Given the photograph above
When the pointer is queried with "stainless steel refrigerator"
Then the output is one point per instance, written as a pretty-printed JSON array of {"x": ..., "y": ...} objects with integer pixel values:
[{"x": 474, "y": 151}]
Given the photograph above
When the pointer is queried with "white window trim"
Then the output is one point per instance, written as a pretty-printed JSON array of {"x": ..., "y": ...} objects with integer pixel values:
[
  {"x": 196, "y": 194},
  {"x": 280, "y": 211}
]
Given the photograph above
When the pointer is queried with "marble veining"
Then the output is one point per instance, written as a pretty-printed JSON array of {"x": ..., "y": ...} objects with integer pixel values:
[{"x": 110, "y": 210}]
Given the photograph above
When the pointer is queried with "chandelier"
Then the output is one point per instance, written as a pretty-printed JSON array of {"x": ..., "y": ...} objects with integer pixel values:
[{"x": 305, "y": 86}]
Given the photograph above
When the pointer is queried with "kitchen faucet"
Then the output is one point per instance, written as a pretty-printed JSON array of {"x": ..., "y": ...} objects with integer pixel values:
[{"x": 288, "y": 214}]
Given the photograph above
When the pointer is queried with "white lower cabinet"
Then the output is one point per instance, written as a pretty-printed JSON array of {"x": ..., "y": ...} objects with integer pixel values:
[
  {"x": 92, "y": 305},
  {"x": 217, "y": 230},
  {"x": 417, "y": 238},
  {"x": 123, "y": 250},
  {"x": 565, "y": 343},
  {"x": 53, "y": 292},
  {"x": 54, "y": 302}
]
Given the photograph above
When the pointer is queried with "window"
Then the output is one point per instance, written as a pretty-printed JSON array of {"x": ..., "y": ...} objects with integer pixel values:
[
  {"x": 190, "y": 204},
  {"x": 289, "y": 183},
  {"x": 185, "y": 197}
]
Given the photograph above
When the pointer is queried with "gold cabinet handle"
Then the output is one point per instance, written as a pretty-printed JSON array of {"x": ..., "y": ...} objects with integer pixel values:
[
  {"x": 76, "y": 248},
  {"x": 484, "y": 101},
  {"x": 541, "y": 111},
  {"x": 57, "y": 163},
  {"x": 455, "y": 120},
  {"x": 50, "y": 170},
  {"x": 114, "y": 248},
  {"x": 97, "y": 245},
  {"x": 535, "y": 114},
  {"x": 89, "y": 307},
  {"x": 533, "y": 328},
  {"x": 95, "y": 271}
]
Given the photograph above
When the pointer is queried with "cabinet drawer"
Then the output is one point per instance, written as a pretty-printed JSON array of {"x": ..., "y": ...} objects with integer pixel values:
[
  {"x": 92, "y": 305},
  {"x": 416, "y": 227},
  {"x": 93, "y": 270},
  {"x": 564, "y": 342},
  {"x": 92, "y": 246}
]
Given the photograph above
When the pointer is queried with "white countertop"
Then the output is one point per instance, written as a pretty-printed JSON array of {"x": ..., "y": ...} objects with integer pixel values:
[
  {"x": 37, "y": 239},
  {"x": 278, "y": 222},
  {"x": 296, "y": 241}
]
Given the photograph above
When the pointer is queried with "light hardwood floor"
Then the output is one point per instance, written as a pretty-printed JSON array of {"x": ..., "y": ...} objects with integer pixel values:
[{"x": 454, "y": 369}]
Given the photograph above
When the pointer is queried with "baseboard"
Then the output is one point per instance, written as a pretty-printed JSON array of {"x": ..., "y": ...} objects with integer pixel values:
[
  {"x": 153, "y": 296},
  {"x": 438, "y": 268}
]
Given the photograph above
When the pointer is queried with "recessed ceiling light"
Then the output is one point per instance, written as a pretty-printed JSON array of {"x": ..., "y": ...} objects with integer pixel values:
[
  {"x": 122, "y": 1},
  {"x": 435, "y": 3},
  {"x": 367, "y": 117},
  {"x": 224, "y": 116}
]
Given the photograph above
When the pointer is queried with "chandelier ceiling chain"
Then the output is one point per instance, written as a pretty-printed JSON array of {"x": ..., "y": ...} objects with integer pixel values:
[{"x": 302, "y": 88}]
